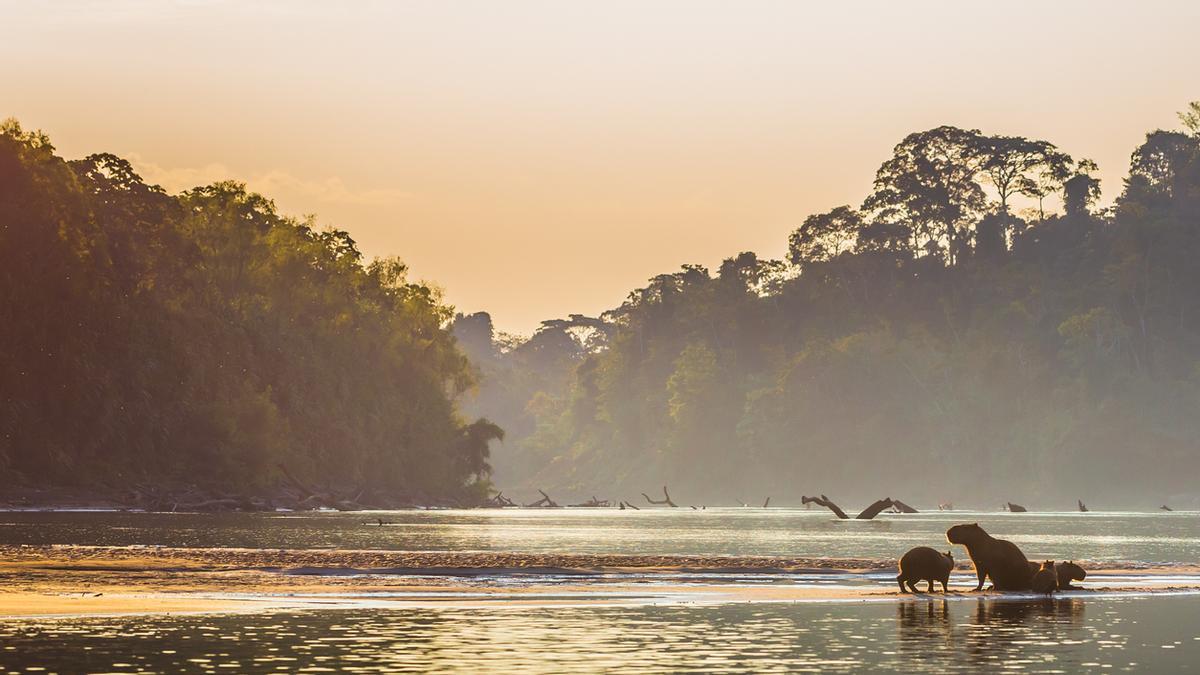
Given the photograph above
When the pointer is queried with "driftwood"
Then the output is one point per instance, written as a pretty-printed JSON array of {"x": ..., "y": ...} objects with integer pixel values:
[
  {"x": 767, "y": 503},
  {"x": 1082, "y": 508},
  {"x": 665, "y": 500},
  {"x": 875, "y": 509},
  {"x": 501, "y": 500},
  {"x": 867, "y": 514},
  {"x": 901, "y": 507},
  {"x": 594, "y": 503},
  {"x": 630, "y": 505},
  {"x": 824, "y": 501},
  {"x": 1016, "y": 508},
  {"x": 544, "y": 502},
  {"x": 1164, "y": 507}
]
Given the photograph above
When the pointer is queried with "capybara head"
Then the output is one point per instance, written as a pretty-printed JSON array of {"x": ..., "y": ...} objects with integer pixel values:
[
  {"x": 965, "y": 533},
  {"x": 1071, "y": 571}
]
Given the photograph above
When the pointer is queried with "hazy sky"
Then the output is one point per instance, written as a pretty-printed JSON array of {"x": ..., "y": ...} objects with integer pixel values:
[{"x": 541, "y": 158}]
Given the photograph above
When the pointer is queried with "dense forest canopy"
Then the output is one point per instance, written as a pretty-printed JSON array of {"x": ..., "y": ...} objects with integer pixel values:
[
  {"x": 955, "y": 337},
  {"x": 204, "y": 338}
]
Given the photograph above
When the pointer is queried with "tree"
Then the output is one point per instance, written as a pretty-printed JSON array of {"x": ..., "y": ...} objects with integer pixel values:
[
  {"x": 1012, "y": 162},
  {"x": 1191, "y": 118},
  {"x": 824, "y": 236},
  {"x": 931, "y": 183},
  {"x": 1081, "y": 190}
]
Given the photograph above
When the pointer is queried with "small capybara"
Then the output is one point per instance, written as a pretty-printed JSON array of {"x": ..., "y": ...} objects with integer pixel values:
[
  {"x": 1067, "y": 572},
  {"x": 1045, "y": 580},
  {"x": 996, "y": 558},
  {"x": 924, "y": 564}
]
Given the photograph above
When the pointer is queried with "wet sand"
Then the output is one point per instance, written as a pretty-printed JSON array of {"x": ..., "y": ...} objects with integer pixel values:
[{"x": 40, "y": 581}]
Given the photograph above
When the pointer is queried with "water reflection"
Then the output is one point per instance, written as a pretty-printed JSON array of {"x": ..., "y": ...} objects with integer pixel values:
[{"x": 956, "y": 635}]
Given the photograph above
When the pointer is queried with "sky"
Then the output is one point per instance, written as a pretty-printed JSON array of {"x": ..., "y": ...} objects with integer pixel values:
[{"x": 537, "y": 159}]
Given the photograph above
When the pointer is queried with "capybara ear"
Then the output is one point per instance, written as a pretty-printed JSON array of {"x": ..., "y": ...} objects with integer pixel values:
[{"x": 975, "y": 524}]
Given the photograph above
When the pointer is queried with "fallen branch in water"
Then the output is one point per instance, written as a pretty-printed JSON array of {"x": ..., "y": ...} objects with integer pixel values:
[{"x": 665, "y": 500}]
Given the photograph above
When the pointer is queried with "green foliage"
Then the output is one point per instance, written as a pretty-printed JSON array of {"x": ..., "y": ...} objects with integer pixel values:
[{"x": 206, "y": 338}]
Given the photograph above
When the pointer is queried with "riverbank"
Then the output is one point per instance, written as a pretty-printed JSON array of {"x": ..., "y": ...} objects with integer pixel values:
[{"x": 41, "y": 581}]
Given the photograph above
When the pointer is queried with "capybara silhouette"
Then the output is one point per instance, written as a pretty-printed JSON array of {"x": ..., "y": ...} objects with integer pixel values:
[
  {"x": 996, "y": 558},
  {"x": 1045, "y": 580},
  {"x": 924, "y": 564}
]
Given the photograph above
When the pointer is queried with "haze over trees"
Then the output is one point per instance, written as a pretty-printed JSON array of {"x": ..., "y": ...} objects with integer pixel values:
[
  {"x": 204, "y": 338},
  {"x": 973, "y": 331}
]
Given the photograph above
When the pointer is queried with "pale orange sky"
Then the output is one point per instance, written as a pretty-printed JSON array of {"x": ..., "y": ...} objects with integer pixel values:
[{"x": 541, "y": 158}]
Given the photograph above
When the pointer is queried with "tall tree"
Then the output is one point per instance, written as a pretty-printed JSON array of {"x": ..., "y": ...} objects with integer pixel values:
[{"x": 931, "y": 183}]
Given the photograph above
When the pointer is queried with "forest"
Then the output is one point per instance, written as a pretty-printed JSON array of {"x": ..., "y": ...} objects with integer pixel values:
[
  {"x": 205, "y": 342},
  {"x": 977, "y": 330}
]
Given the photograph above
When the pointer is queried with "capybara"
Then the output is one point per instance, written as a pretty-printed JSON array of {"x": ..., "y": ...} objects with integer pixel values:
[
  {"x": 1067, "y": 572},
  {"x": 924, "y": 564},
  {"x": 1045, "y": 580},
  {"x": 997, "y": 558}
]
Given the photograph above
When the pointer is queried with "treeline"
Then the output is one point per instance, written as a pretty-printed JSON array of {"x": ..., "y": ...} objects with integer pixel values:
[
  {"x": 204, "y": 339},
  {"x": 973, "y": 331}
]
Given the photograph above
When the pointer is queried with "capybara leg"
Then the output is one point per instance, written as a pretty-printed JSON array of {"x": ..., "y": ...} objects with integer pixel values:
[
  {"x": 912, "y": 585},
  {"x": 900, "y": 581},
  {"x": 930, "y": 586},
  {"x": 944, "y": 591},
  {"x": 982, "y": 574}
]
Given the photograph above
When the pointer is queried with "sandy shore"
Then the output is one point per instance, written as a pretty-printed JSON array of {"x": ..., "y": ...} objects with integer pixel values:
[{"x": 40, "y": 581}]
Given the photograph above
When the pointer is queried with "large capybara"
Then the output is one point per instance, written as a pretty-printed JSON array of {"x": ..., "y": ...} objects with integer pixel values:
[
  {"x": 924, "y": 564},
  {"x": 996, "y": 558},
  {"x": 1045, "y": 580}
]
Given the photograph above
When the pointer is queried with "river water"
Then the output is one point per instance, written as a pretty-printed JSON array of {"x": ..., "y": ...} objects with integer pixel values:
[
  {"x": 1127, "y": 537},
  {"x": 965, "y": 633}
]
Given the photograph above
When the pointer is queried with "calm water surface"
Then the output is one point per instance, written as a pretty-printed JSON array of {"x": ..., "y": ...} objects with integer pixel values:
[
  {"x": 1157, "y": 634},
  {"x": 1149, "y": 537}
]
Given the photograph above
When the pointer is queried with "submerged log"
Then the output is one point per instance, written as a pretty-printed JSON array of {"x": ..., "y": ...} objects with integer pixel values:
[
  {"x": 665, "y": 500},
  {"x": 902, "y": 507},
  {"x": 767, "y": 503},
  {"x": 1016, "y": 508},
  {"x": 1082, "y": 508},
  {"x": 1164, "y": 507}
]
